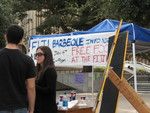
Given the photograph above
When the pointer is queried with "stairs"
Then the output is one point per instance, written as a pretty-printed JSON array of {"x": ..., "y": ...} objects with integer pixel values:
[
  {"x": 143, "y": 80},
  {"x": 143, "y": 83}
]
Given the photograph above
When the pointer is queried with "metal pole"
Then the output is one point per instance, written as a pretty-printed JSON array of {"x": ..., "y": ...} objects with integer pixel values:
[
  {"x": 134, "y": 67},
  {"x": 92, "y": 86}
]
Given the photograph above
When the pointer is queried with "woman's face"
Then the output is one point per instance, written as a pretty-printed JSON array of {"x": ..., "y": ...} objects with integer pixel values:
[{"x": 39, "y": 56}]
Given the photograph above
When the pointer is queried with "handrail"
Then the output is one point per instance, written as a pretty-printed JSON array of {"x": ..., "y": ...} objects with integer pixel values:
[{"x": 143, "y": 65}]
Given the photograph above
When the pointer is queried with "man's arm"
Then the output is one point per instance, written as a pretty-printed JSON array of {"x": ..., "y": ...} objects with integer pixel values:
[{"x": 30, "y": 84}]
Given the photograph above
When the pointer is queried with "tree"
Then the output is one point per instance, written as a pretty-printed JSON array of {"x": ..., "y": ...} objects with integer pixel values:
[
  {"x": 6, "y": 18},
  {"x": 135, "y": 11},
  {"x": 71, "y": 15}
]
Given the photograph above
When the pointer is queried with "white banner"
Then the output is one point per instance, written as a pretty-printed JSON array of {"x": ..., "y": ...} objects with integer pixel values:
[{"x": 75, "y": 50}]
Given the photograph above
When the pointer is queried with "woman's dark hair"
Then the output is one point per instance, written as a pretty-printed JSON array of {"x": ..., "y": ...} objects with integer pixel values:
[
  {"x": 48, "y": 61},
  {"x": 22, "y": 48},
  {"x": 14, "y": 34}
]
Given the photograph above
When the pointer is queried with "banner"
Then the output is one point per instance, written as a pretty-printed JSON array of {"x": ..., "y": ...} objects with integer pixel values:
[{"x": 75, "y": 50}]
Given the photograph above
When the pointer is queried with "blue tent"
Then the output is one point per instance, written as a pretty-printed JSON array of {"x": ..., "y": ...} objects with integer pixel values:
[
  {"x": 108, "y": 25},
  {"x": 135, "y": 32}
]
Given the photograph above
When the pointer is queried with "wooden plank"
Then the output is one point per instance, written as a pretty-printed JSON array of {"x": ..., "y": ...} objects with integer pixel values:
[{"x": 129, "y": 93}]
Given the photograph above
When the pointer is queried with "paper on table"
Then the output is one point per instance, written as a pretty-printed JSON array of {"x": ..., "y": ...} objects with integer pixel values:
[{"x": 72, "y": 103}]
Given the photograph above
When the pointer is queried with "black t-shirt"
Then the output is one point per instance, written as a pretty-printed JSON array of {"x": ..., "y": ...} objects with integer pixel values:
[{"x": 15, "y": 68}]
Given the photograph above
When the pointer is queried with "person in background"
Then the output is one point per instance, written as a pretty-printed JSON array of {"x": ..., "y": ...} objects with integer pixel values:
[
  {"x": 22, "y": 48},
  {"x": 17, "y": 75},
  {"x": 45, "y": 81}
]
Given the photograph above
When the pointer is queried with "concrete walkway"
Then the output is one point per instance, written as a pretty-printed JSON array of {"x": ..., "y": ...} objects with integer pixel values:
[{"x": 123, "y": 105}]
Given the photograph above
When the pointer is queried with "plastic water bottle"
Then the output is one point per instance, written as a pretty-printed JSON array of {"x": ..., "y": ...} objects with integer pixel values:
[
  {"x": 65, "y": 102},
  {"x": 72, "y": 95},
  {"x": 60, "y": 104}
]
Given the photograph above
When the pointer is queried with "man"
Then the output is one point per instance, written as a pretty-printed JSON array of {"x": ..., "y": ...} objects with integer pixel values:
[{"x": 17, "y": 75}]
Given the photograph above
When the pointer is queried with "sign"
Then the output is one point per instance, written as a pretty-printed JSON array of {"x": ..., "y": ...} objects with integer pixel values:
[
  {"x": 79, "y": 78},
  {"x": 75, "y": 50},
  {"x": 110, "y": 92}
]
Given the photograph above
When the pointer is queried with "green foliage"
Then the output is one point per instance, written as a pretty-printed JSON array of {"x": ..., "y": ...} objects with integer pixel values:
[
  {"x": 99, "y": 69},
  {"x": 71, "y": 15},
  {"x": 6, "y": 18},
  {"x": 144, "y": 55},
  {"x": 136, "y": 11},
  {"x": 142, "y": 72}
]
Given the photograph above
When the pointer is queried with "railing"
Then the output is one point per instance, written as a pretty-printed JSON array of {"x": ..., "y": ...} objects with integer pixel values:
[
  {"x": 139, "y": 65},
  {"x": 143, "y": 81}
]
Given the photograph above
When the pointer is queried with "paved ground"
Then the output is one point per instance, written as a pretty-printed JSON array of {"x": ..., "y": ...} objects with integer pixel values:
[{"x": 123, "y": 105}]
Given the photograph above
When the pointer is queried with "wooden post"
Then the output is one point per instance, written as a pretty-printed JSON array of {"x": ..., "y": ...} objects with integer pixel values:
[{"x": 129, "y": 93}]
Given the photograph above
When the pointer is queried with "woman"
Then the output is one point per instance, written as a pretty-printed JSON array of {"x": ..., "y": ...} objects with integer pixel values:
[{"x": 45, "y": 82}]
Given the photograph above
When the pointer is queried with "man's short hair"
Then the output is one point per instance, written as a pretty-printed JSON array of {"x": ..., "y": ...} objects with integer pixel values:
[{"x": 14, "y": 34}]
